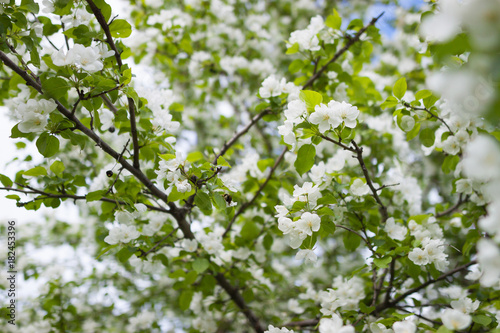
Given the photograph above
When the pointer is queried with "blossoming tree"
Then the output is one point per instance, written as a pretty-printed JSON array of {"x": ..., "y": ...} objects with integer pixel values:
[{"x": 267, "y": 166}]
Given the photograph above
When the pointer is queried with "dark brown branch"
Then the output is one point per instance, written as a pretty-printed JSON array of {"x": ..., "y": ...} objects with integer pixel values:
[
  {"x": 359, "y": 157},
  {"x": 176, "y": 212},
  {"x": 249, "y": 203},
  {"x": 240, "y": 302},
  {"x": 408, "y": 105},
  {"x": 393, "y": 303},
  {"x": 133, "y": 131},
  {"x": 131, "y": 104},
  {"x": 384, "y": 186},
  {"x": 109, "y": 104},
  {"x": 338, "y": 143},
  {"x": 340, "y": 52},
  {"x": 235, "y": 138},
  {"x": 302, "y": 323},
  {"x": 71, "y": 196},
  {"x": 105, "y": 27},
  {"x": 453, "y": 208},
  {"x": 145, "y": 254},
  {"x": 28, "y": 78}
]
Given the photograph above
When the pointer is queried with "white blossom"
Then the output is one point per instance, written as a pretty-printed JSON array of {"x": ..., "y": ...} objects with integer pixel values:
[{"x": 455, "y": 319}]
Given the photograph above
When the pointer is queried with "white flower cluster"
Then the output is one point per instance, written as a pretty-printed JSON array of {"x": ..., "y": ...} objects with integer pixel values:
[
  {"x": 474, "y": 15},
  {"x": 159, "y": 100},
  {"x": 345, "y": 294},
  {"x": 395, "y": 230},
  {"x": 171, "y": 19},
  {"x": 431, "y": 251},
  {"x": 86, "y": 58},
  {"x": 272, "y": 87},
  {"x": 142, "y": 321},
  {"x": 334, "y": 325},
  {"x": 272, "y": 329},
  {"x": 481, "y": 165},
  {"x": 398, "y": 327},
  {"x": 34, "y": 115},
  {"x": 122, "y": 234},
  {"x": 332, "y": 115},
  {"x": 124, "y": 231},
  {"x": 307, "y": 39},
  {"x": 169, "y": 170}
]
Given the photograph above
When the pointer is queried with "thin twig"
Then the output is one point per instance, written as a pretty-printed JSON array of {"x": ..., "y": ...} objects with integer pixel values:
[
  {"x": 131, "y": 104},
  {"x": 340, "y": 52},
  {"x": 70, "y": 196},
  {"x": 235, "y": 138},
  {"x": 240, "y": 302},
  {"x": 302, "y": 323},
  {"x": 408, "y": 105},
  {"x": 338, "y": 143},
  {"x": 145, "y": 254},
  {"x": 384, "y": 186},
  {"x": 249, "y": 203},
  {"x": 359, "y": 157},
  {"x": 393, "y": 303},
  {"x": 453, "y": 208}
]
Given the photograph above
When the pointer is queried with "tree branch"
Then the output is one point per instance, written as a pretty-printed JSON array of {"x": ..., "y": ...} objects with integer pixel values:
[
  {"x": 131, "y": 104},
  {"x": 408, "y": 105},
  {"x": 240, "y": 302},
  {"x": 71, "y": 196},
  {"x": 340, "y": 52},
  {"x": 174, "y": 210},
  {"x": 393, "y": 303},
  {"x": 235, "y": 138},
  {"x": 249, "y": 203},
  {"x": 450, "y": 210},
  {"x": 359, "y": 157}
]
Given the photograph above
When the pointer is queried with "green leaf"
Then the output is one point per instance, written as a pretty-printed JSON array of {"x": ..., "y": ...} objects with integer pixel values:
[
  {"x": 200, "y": 265},
  {"x": 106, "y": 250},
  {"x": 366, "y": 309},
  {"x": 120, "y": 28},
  {"x": 311, "y": 98},
  {"x": 125, "y": 253},
  {"x": 5, "y": 180},
  {"x": 427, "y": 137},
  {"x": 305, "y": 158},
  {"x": 185, "y": 299},
  {"x": 334, "y": 21},
  {"x": 57, "y": 168},
  {"x": 94, "y": 196},
  {"x": 399, "y": 88},
  {"x": 296, "y": 66},
  {"x": 443, "y": 329},
  {"x": 202, "y": 200},
  {"x": 36, "y": 171},
  {"x": 30, "y": 5},
  {"x": 390, "y": 102},
  {"x": 449, "y": 164},
  {"x": 219, "y": 201},
  {"x": 55, "y": 87},
  {"x": 250, "y": 230},
  {"x": 482, "y": 320},
  {"x": 194, "y": 156},
  {"x": 48, "y": 145},
  {"x": 222, "y": 162},
  {"x": 422, "y": 94},
  {"x": 104, "y": 7},
  {"x": 293, "y": 49},
  {"x": 413, "y": 133},
  {"x": 382, "y": 262}
]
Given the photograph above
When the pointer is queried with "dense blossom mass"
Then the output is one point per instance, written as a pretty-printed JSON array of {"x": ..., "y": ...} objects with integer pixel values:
[{"x": 267, "y": 166}]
